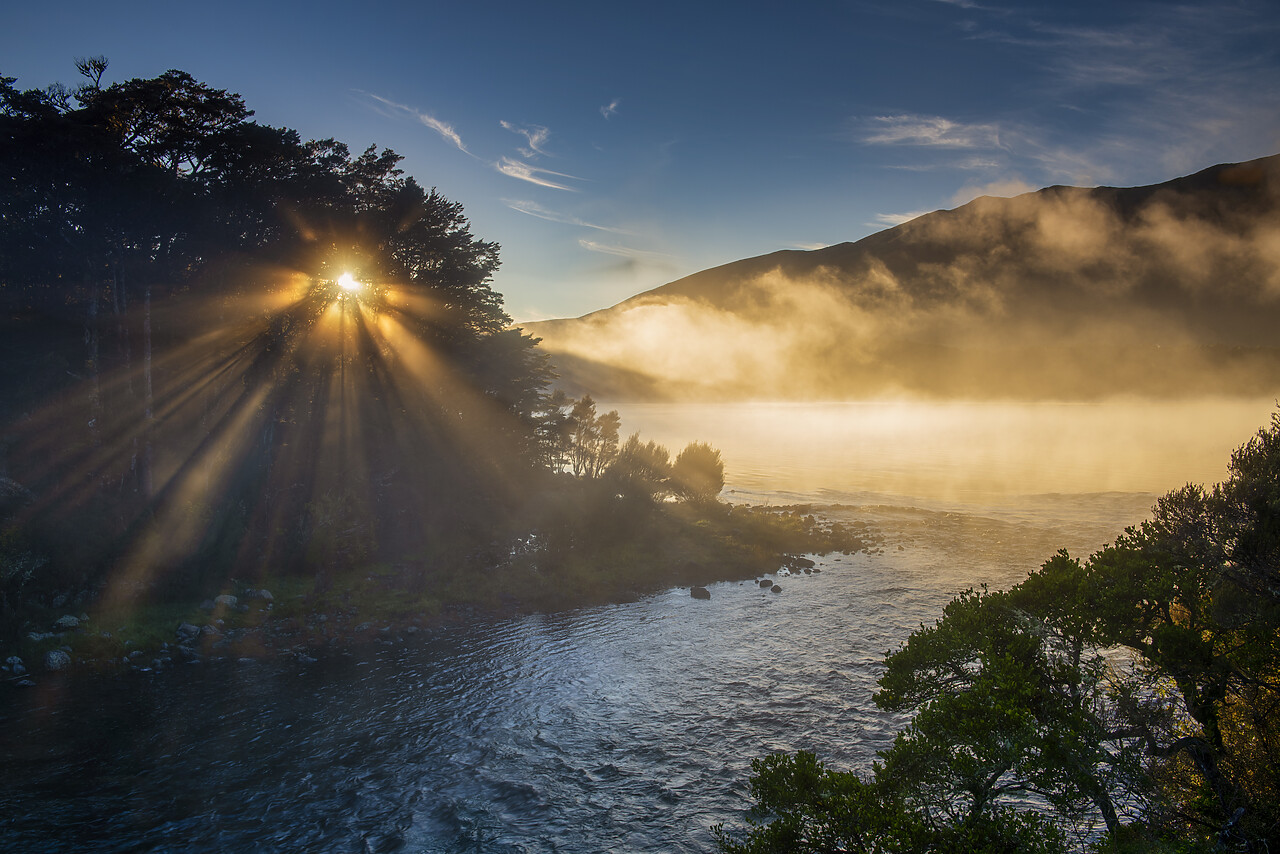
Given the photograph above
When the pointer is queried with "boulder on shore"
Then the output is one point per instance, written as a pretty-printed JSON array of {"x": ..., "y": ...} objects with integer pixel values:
[
  {"x": 56, "y": 659},
  {"x": 699, "y": 593}
]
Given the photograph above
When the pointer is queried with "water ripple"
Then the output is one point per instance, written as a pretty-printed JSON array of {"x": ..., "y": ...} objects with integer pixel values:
[{"x": 627, "y": 727}]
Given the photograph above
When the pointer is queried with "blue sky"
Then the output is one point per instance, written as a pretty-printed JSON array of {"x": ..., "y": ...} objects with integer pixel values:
[{"x": 613, "y": 147}]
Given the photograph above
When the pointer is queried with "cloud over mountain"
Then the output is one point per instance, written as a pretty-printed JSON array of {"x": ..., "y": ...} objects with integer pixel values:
[{"x": 1061, "y": 293}]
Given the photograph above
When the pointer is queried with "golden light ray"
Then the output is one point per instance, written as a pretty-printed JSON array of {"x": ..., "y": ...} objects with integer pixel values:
[
  {"x": 178, "y": 524},
  {"x": 193, "y": 369},
  {"x": 424, "y": 371},
  {"x": 282, "y": 403}
]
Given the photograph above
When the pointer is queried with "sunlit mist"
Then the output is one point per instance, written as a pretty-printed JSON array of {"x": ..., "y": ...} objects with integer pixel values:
[
  {"x": 995, "y": 453},
  {"x": 1063, "y": 294}
]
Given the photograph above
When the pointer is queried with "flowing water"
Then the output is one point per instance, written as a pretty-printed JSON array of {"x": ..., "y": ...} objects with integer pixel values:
[{"x": 620, "y": 728}]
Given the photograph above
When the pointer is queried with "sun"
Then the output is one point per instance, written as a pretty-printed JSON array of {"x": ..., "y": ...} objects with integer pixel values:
[{"x": 348, "y": 283}]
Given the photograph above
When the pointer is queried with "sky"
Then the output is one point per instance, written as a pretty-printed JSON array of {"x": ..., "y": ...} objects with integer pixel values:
[{"x": 610, "y": 148}]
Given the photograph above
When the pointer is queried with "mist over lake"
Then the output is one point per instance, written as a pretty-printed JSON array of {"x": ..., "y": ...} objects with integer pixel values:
[{"x": 965, "y": 451}]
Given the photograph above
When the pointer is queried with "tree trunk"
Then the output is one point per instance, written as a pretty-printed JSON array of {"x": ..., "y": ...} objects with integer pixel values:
[
  {"x": 1102, "y": 801},
  {"x": 148, "y": 426},
  {"x": 91, "y": 364}
]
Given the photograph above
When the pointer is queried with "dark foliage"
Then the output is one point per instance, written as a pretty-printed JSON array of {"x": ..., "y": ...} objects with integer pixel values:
[
  {"x": 186, "y": 390},
  {"x": 1138, "y": 690}
]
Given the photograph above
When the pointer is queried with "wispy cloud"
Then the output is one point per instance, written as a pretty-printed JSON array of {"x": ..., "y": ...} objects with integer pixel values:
[
  {"x": 534, "y": 209},
  {"x": 622, "y": 251},
  {"x": 967, "y": 163},
  {"x": 1162, "y": 87},
  {"x": 908, "y": 129},
  {"x": 809, "y": 247},
  {"x": 611, "y": 109},
  {"x": 391, "y": 108},
  {"x": 535, "y": 135},
  {"x": 892, "y": 219},
  {"x": 534, "y": 174},
  {"x": 994, "y": 149}
]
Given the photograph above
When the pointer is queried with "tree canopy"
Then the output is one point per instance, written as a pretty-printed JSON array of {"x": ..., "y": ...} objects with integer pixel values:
[{"x": 698, "y": 473}]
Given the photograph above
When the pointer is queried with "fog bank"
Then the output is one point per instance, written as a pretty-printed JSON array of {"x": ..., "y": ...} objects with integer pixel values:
[{"x": 1064, "y": 293}]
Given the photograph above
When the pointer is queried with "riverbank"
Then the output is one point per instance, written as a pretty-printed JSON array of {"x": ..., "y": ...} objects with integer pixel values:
[{"x": 582, "y": 560}]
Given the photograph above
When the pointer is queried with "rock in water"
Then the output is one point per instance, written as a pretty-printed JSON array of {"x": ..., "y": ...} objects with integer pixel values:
[
  {"x": 700, "y": 593},
  {"x": 764, "y": 582},
  {"x": 66, "y": 623},
  {"x": 776, "y": 589}
]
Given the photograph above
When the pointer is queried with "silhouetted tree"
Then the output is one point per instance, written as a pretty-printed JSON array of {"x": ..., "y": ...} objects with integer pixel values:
[
  {"x": 697, "y": 474},
  {"x": 593, "y": 439},
  {"x": 552, "y": 424},
  {"x": 134, "y": 216},
  {"x": 641, "y": 470}
]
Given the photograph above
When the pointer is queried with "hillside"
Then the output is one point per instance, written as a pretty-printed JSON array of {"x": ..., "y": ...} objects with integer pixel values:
[{"x": 1066, "y": 292}]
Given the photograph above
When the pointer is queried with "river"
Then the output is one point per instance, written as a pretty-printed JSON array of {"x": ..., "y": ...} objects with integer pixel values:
[{"x": 622, "y": 728}]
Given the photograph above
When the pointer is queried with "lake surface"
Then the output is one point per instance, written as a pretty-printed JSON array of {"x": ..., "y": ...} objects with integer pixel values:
[{"x": 627, "y": 727}]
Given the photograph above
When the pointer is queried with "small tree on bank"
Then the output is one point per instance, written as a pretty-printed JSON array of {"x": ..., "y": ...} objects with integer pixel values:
[
  {"x": 697, "y": 475},
  {"x": 641, "y": 470},
  {"x": 592, "y": 439}
]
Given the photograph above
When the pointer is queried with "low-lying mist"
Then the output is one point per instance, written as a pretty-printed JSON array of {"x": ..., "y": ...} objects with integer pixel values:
[
  {"x": 1064, "y": 293},
  {"x": 992, "y": 453}
]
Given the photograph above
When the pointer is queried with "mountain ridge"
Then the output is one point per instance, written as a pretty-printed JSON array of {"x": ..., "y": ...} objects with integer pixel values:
[{"x": 1058, "y": 276}]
